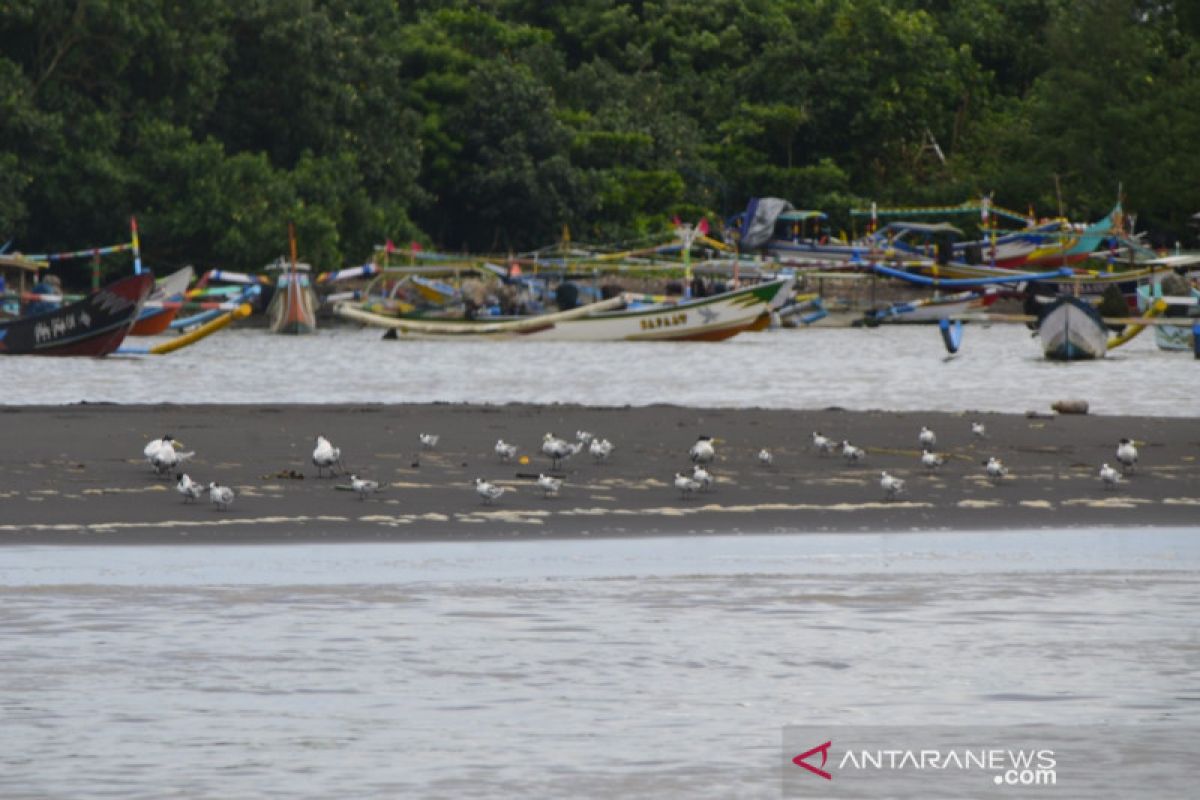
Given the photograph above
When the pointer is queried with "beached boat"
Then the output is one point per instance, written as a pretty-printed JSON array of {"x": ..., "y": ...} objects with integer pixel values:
[
  {"x": 1183, "y": 301},
  {"x": 1071, "y": 330},
  {"x": 621, "y": 318},
  {"x": 931, "y": 309},
  {"x": 163, "y": 304},
  {"x": 293, "y": 307},
  {"x": 93, "y": 326}
]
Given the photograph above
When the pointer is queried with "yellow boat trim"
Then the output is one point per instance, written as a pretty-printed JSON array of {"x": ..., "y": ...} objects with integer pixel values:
[{"x": 207, "y": 329}]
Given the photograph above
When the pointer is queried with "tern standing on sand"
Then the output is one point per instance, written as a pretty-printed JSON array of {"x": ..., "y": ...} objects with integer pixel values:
[
  {"x": 1127, "y": 455},
  {"x": 163, "y": 454},
  {"x": 932, "y": 461},
  {"x": 558, "y": 449},
  {"x": 995, "y": 468},
  {"x": 851, "y": 453},
  {"x": 822, "y": 443},
  {"x": 702, "y": 451},
  {"x": 506, "y": 452},
  {"x": 927, "y": 439},
  {"x": 686, "y": 485},
  {"x": 167, "y": 458},
  {"x": 549, "y": 485},
  {"x": 600, "y": 449},
  {"x": 891, "y": 486},
  {"x": 1110, "y": 476},
  {"x": 220, "y": 496},
  {"x": 188, "y": 488},
  {"x": 363, "y": 486},
  {"x": 326, "y": 456},
  {"x": 488, "y": 491}
]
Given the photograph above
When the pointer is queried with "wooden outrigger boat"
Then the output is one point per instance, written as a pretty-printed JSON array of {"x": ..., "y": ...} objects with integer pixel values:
[
  {"x": 293, "y": 307},
  {"x": 163, "y": 304},
  {"x": 93, "y": 326},
  {"x": 1182, "y": 305},
  {"x": 617, "y": 319},
  {"x": 1072, "y": 330},
  {"x": 931, "y": 309}
]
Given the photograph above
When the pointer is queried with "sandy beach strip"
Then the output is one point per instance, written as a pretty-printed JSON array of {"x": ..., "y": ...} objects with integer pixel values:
[{"x": 75, "y": 474}]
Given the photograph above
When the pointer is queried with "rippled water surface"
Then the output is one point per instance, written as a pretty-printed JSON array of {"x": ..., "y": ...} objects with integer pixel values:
[
  {"x": 638, "y": 668},
  {"x": 1000, "y": 368}
]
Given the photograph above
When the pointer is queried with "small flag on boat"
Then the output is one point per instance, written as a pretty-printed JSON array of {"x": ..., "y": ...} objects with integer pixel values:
[{"x": 702, "y": 226}]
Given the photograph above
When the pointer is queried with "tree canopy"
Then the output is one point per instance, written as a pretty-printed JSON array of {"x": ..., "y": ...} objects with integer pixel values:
[{"x": 492, "y": 126}]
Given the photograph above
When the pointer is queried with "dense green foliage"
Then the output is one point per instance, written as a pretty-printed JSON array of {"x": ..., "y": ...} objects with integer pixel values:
[{"x": 492, "y": 125}]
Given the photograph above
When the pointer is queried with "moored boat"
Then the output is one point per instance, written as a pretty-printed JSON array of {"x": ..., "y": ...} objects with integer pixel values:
[
  {"x": 1183, "y": 301},
  {"x": 93, "y": 326},
  {"x": 713, "y": 318},
  {"x": 1071, "y": 330},
  {"x": 293, "y": 307},
  {"x": 710, "y": 319},
  {"x": 163, "y": 304},
  {"x": 931, "y": 309}
]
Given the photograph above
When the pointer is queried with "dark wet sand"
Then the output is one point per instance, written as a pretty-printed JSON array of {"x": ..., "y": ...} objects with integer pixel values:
[{"x": 75, "y": 474}]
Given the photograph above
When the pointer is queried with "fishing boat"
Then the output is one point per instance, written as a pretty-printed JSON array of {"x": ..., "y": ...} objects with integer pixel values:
[
  {"x": 624, "y": 318},
  {"x": 163, "y": 304},
  {"x": 931, "y": 309},
  {"x": 17, "y": 277},
  {"x": 1183, "y": 301},
  {"x": 1071, "y": 330},
  {"x": 1045, "y": 244},
  {"x": 93, "y": 326},
  {"x": 293, "y": 308}
]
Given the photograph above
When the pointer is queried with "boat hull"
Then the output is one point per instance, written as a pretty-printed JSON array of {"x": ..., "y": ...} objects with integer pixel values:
[
  {"x": 155, "y": 316},
  {"x": 293, "y": 309},
  {"x": 932, "y": 310},
  {"x": 707, "y": 319},
  {"x": 153, "y": 321},
  {"x": 702, "y": 319},
  {"x": 1071, "y": 330},
  {"x": 1174, "y": 338},
  {"x": 94, "y": 326}
]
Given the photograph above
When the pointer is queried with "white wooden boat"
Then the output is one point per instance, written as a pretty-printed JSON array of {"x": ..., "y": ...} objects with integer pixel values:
[
  {"x": 618, "y": 319},
  {"x": 1072, "y": 330}
]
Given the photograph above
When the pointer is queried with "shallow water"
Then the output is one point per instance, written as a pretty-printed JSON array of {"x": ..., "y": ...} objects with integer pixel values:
[
  {"x": 653, "y": 667},
  {"x": 902, "y": 368}
]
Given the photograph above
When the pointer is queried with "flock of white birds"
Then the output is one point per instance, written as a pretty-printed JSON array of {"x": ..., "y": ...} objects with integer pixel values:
[{"x": 165, "y": 455}]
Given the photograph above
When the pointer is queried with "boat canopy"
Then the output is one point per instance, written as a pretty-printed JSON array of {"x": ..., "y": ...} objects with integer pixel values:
[
  {"x": 758, "y": 221},
  {"x": 17, "y": 261}
]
